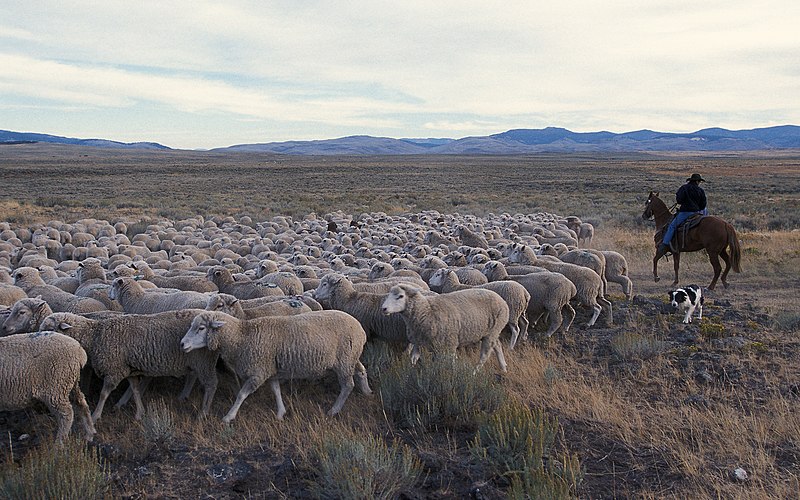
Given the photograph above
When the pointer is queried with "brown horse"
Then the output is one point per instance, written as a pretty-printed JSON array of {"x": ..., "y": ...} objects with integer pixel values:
[{"x": 711, "y": 233}]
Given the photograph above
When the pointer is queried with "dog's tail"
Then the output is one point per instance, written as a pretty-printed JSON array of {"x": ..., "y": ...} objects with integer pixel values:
[{"x": 736, "y": 249}]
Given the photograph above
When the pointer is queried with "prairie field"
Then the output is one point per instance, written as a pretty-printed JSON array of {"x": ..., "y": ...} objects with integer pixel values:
[{"x": 646, "y": 408}]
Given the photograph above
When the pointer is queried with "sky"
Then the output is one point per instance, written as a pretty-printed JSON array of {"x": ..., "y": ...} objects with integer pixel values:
[{"x": 197, "y": 74}]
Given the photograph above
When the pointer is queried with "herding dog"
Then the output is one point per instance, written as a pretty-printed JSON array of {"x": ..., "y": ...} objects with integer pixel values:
[{"x": 688, "y": 298}]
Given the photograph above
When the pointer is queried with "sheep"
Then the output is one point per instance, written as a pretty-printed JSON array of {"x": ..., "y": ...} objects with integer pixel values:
[
  {"x": 283, "y": 348},
  {"x": 29, "y": 280},
  {"x": 9, "y": 294},
  {"x": 446, "y": 322},
  {"x": 593, "y": 259},
  {"x": 617, "y": 272},
  {"x": 514, "y": 294},
  {"x": 286, "y": 281},
  {"x": 190, "y": 283},
  {"x": 92, "y": 283},
  {"x": 340, "y": 294},
  {"x": 46, "y": 367},
  {"x": 222, "y": 277},
  {"x": 132, "y": 345},
  {"x": 134, "y": 300},
  {"x": 550, "y": 294},
  {"x": 26, "y": 315},
  {"x": 587, "y": 282},
  {"x": 470, "y": 238},
  {"x": 229, "y": 304},
  {"x": 583, "y": 230}
]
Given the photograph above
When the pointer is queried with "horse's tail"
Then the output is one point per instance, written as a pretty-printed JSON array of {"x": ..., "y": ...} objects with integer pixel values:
[{"x": 736, "y": 249}]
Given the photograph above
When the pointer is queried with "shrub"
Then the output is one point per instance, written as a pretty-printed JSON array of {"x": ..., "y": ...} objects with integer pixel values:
[
  {"x": 516, "y": 443},
  {"x": 352, "y": 466},
  {"x": 68, "y": 471},
  {"x": 442, "y": 392},
  {"x": 631, "y": 345},
  {"x": 711, "y": 330},
  {"x": 157, "y": 424}
]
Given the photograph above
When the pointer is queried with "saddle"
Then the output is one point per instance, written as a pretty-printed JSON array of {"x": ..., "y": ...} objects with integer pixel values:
[{"x": 678, "y": 241}]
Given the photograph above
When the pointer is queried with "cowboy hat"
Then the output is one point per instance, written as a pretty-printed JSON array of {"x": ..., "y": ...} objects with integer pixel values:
[{"x": 695, "y": 177}]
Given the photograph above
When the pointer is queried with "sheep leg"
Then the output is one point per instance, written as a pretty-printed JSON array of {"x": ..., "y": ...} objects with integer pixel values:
[
  {"x": 83, "y": 412},
  {"x": 605, "y": 304},
  {"x": 501, "y": 359},
  {"x": 523, "y": 325},
  {"x": 137, "y": 397},
  {"x": 556, "y": 318},
  {"x": 62, "y": 410},
  {"x": 209, "y": 388},
  {"x": 514, "y": 335},
  {"x": 109, "y": 384},
  {"x": 486, "y": 349},
  {"x": 596, "y": 310},
  {"x": 188, "y": 384},
  {"x": 415, "y": 354},
  {"x": 570, "y": 313},
  {"x": 361, "y": 379},
  {"x": 346, "y": 384},
  {"x": 143, "y": 385},
  {"x": 249, "y": 386}
]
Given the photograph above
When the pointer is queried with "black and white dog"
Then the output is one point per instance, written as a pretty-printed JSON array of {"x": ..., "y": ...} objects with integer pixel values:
[{"x": 688, "y": 298}]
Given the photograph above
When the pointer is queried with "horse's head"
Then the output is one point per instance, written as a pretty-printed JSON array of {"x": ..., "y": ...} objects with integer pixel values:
[{"x": 648, "y": 205}]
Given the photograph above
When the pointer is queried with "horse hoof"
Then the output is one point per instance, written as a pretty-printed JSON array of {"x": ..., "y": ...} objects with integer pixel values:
[{"x": 656, "y": 279}]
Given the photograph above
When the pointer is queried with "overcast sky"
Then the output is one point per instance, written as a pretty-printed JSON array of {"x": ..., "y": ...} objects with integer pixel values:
[{"x": 196, "y": 74}]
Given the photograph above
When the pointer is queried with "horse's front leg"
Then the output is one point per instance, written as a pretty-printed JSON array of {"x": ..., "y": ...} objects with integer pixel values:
[
  {"x": 676, "y": 262},
  {"x": 659, "y": 254}
]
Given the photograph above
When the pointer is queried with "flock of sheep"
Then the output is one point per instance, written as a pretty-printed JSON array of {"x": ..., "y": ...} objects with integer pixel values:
[{"x": 277, "y": 300}]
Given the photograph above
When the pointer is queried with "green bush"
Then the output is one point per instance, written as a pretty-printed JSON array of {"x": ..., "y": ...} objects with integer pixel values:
[
  {"x": 516, "y": 443},
  {"x": 438, "y": 393},
  {"x": 364, "y": 467},
  {"x": 71, "y": 470}
]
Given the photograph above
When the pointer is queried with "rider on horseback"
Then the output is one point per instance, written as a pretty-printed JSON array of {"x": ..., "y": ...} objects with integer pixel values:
[{"x": 692, "y": 200}]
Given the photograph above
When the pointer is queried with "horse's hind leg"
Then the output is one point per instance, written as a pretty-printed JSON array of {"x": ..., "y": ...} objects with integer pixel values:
[
  {"x": 676, "y": 262},
  {"x": 714, "y": 258},
  {"x": 727, "y": 260}
]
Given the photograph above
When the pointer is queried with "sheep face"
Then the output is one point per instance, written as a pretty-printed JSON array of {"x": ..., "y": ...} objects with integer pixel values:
[
  {"x": 326, "y": 287},
  {"x": 23, "y": 317},
  {"x": 202, "y": 333},
  {"x": 439, "y": 277},
  {"x": 397, "y": 300},
  {"x": 54, "y": 323}
]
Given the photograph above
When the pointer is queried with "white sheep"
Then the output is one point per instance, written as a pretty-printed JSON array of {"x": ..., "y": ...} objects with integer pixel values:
[
  {"x": 135, "y": 300},
  {"x": 186, "y": 282},
  {"x": 9, "y": 294},
  {"x": 445, "y": 322},
  {"x": 25, "y": 316},
  {"x": 221, "y": 276},
  {"x": 617, "y": 271},
  {"x": 587, "y": 282},
  {"x": 133, "y": 345},
  {"x": 285, "y": 306},
  {"x": 340, "y": 293},
  {"x": 46, "y": 367},
  {"x": 283, "y": 348},
  {"x": 550, "y": 295},
  {"x": 29, "y": 280},
  {"x": 514, "y": 294}
]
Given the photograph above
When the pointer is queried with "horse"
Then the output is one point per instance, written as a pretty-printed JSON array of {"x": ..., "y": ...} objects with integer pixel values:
[{"x": 712, "y": 234}]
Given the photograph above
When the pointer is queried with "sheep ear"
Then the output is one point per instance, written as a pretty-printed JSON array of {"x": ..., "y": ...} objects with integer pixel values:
[
  {"x": 64, "y": 326},
  {"x": 42, "y": 306},
  {"x": 212, "y": 340},
  {"x": 233, "y": 303},
  {"x": 217, "y": 324}
]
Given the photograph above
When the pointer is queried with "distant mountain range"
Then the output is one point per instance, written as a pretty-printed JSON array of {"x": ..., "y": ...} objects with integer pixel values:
[
  {"x": 518, "y": 141},
  {"x": 9, "y": 137}
]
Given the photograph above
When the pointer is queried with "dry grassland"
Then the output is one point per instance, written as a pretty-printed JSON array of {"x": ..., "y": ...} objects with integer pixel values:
[{"x": 651, "y": 408}]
